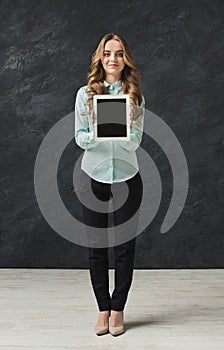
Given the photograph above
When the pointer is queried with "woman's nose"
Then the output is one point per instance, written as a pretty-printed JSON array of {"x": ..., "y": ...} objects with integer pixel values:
[{"x": 113, "y": 57}]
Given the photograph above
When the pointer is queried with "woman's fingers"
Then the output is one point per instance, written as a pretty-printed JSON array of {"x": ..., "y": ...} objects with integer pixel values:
[
  {"x": 130, "y": 117},
  {"x": 92, "y": 116}
]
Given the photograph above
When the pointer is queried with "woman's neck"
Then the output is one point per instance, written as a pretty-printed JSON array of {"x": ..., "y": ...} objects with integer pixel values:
[{"x": 112, "y": 79}]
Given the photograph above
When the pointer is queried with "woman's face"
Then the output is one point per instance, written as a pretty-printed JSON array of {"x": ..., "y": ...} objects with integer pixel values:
[{"x": 113, "y": 60}]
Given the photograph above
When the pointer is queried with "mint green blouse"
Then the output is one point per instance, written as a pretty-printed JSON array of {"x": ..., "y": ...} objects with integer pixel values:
[{"x": 109, "y": 161}]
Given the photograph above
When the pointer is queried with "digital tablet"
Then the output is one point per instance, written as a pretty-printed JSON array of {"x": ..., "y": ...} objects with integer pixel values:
[{"x": 111, "y": 120}]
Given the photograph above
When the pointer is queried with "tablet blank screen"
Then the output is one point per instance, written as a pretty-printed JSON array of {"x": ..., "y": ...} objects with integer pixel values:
[{"x": 111, "y": 118}]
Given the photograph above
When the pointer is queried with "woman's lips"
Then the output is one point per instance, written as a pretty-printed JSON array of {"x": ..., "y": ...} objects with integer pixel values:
[{"x": 112, "y": 65}]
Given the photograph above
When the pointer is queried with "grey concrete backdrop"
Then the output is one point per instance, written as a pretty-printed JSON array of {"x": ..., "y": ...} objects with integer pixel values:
[{"x": 46, "y": 47}]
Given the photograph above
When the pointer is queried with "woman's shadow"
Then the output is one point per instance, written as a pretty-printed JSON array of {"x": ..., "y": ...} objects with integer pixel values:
[{"x": 176, "y": 315}]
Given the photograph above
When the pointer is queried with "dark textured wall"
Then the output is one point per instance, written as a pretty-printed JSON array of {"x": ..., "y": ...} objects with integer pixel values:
[{"x": 46, "y": 48}]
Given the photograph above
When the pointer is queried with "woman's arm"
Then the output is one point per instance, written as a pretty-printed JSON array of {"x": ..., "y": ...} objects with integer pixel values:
[
  {"x": 136, "y": 132},
  {"x": 83, "y": 135}
]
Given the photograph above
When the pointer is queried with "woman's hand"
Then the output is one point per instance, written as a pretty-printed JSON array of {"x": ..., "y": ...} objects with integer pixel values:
[
  {"x": 131, "y": 117},
  {"x": 92, "y": 117}
]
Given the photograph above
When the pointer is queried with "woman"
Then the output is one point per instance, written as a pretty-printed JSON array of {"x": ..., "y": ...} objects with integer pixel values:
[{"x": 106, "y": 164}]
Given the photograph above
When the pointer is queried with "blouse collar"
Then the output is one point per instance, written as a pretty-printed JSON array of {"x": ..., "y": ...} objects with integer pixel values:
[{"x": 117, "y": 84}]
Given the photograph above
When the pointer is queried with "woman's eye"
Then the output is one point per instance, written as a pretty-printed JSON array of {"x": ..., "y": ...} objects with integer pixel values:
[{"x": 119, "y": 54}]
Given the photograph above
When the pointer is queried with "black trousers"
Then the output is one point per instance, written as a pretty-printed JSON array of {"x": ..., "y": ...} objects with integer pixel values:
[{"x": 97, "y": 225}]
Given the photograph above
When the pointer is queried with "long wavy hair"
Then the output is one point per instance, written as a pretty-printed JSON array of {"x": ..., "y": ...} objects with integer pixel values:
[{"x": 129, "y": 76}]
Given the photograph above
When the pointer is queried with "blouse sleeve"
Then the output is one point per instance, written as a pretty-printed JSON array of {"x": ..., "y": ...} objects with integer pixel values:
[
  {"x": 136, "y": 132},
  {"x": 83, "y": 135}
]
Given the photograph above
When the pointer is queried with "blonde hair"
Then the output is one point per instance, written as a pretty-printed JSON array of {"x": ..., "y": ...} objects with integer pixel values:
[{"x": 129, "y": 76}]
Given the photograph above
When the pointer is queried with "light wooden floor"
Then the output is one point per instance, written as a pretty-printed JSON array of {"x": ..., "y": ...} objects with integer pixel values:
[{"x": 50, "y": 309}]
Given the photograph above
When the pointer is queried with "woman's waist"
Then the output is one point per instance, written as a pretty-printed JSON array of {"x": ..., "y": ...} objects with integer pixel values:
[{"x": 97, "y": 158}]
